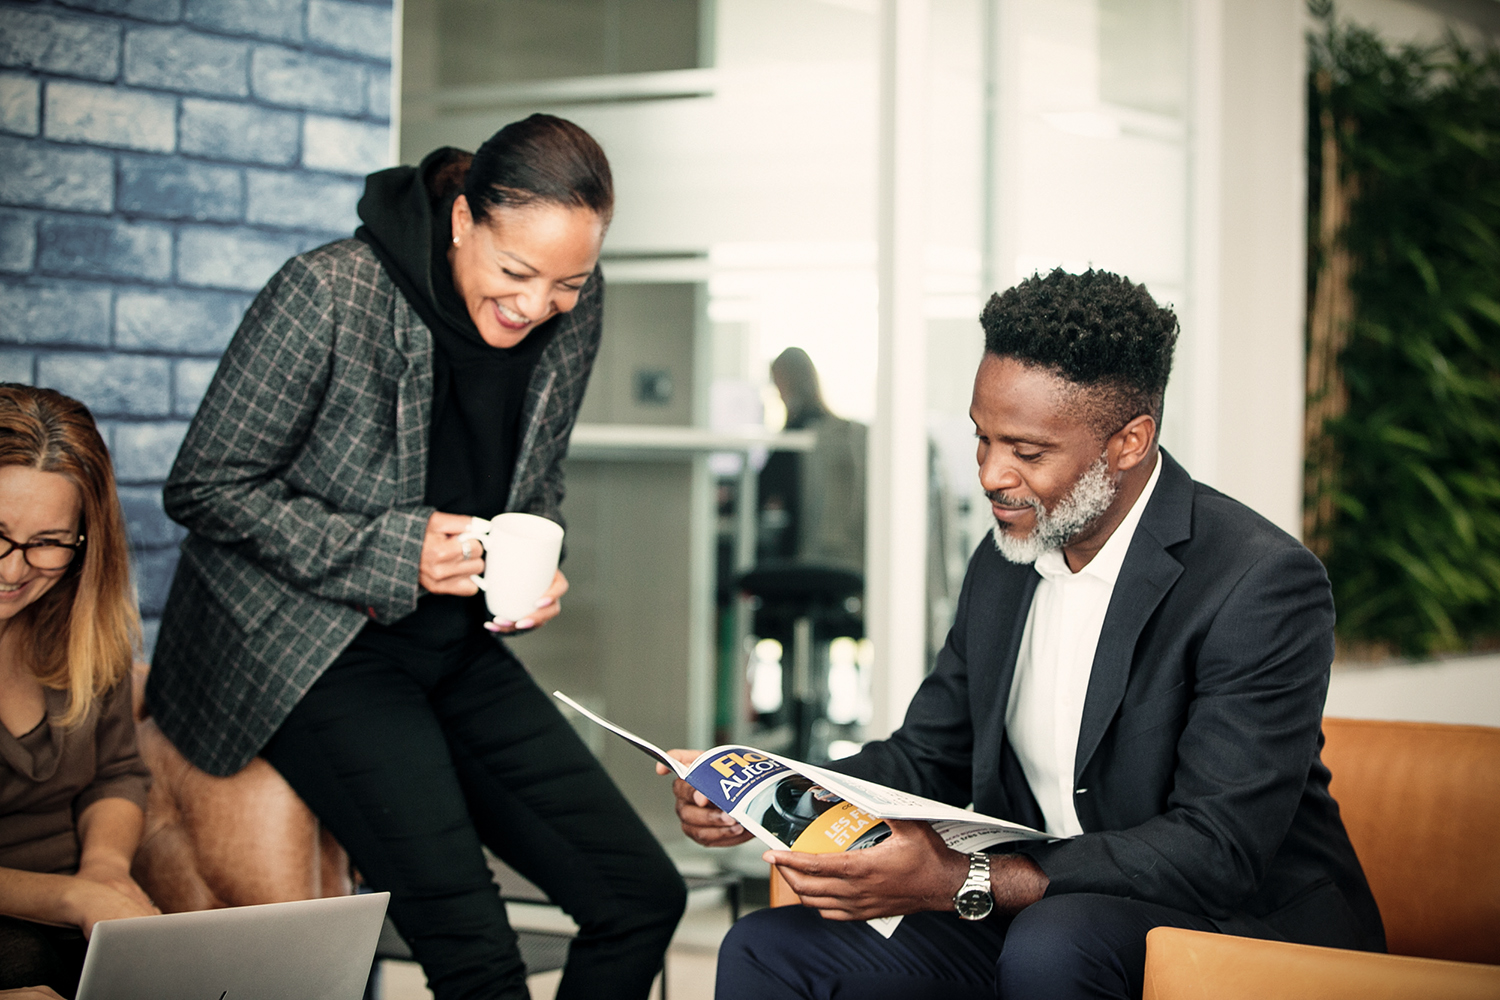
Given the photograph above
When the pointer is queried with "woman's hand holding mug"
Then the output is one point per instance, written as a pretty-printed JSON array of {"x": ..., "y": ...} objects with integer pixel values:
[
  {"x": 548, "y": 607},
  {"x": 448, "y": 561},
  {"x": 524, "y": 593}
]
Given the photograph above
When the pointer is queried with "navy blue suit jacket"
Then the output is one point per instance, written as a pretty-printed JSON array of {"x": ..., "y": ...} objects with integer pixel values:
[{"x": 1198, "y": 781}]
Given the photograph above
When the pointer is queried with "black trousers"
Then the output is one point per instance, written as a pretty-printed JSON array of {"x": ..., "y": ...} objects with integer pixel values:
[
  {"x": 1064, "y": 947},
  {"x": 40, "y": 955},
  {"x": 415, "y": 757}
]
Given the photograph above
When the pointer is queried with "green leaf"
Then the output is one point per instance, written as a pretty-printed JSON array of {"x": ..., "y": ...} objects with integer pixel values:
[{"x": 1485, "y": 305}]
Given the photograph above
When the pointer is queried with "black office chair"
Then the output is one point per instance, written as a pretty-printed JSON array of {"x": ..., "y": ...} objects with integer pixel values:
[{"x": 804, "y": 606}]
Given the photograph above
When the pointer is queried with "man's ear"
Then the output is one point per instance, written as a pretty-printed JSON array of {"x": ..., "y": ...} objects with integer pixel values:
[{"x": 1132, "y": 443}]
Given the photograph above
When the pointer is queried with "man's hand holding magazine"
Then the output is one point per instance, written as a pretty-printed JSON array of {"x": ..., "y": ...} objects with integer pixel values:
[
  {"x": 701, "y": 820},
  {"x": 911, "y": 871}
]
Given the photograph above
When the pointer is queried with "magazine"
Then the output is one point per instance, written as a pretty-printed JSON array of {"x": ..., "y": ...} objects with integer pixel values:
[{"x": 792, "y": 806}]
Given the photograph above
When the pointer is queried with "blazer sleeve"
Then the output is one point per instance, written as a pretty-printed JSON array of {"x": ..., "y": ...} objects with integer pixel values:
[
  {"x": 225, "y": 486},
  {"x": 1243, "y": 754}
]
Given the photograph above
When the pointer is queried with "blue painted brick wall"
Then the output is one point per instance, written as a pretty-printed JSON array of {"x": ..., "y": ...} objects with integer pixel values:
[{"x": 159, "y": 160}]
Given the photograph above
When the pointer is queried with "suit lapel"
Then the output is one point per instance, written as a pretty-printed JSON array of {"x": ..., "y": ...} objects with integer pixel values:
[
  {"x": 413, "y": 402},
  {"x": 1145, "y": 578}
]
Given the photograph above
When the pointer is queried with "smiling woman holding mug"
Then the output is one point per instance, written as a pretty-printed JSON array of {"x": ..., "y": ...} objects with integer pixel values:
[{"x": 381, "y": 393}]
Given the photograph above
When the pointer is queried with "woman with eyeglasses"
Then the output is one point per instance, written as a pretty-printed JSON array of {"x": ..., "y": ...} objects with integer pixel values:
[{"x": 72, "y": 786}]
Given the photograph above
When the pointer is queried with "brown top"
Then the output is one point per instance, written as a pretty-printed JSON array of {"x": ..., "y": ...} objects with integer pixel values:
[{"x": 50, "y": 775}]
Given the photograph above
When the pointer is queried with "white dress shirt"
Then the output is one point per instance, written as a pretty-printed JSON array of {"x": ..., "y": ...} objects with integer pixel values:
[{"x": 1054, "y": 664}]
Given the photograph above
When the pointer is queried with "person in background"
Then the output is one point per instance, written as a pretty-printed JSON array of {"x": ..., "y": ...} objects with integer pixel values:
[
  {"x": 72, "y": 786},
  {"x": 380, "y": 392},
  {"x": 812, "y": 506}
]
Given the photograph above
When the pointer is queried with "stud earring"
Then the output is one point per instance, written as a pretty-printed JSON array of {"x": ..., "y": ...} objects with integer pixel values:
[{"x": 455, "y": 241}]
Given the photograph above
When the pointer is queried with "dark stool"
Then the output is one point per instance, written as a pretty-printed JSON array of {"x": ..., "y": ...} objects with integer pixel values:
[{"x": 804, "y": 605}]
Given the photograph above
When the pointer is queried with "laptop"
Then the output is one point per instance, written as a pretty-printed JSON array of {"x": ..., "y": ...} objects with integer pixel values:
[{"x": 316, "y": 948}]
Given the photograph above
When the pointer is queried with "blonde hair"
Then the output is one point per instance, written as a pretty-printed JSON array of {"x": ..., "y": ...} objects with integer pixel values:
[{"x": 80, "y": 635}]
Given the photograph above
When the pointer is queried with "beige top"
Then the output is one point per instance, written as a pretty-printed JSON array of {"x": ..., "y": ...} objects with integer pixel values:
[{"x": 51, "y": 774}]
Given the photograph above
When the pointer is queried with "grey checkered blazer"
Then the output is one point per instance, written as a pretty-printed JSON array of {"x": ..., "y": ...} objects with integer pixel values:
[{"x": 301, "y": 482}]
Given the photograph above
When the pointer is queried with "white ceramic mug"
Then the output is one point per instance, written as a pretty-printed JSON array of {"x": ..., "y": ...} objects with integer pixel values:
[{"x": 520, "y": 560}]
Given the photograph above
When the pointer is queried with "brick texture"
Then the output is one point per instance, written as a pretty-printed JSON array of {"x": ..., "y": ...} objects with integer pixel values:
[
  {"x": 214, "y": 257},
  {"x": 280, "y": 19},
  {"x": 55, "y": 313},
  {"x": 110, "y": 116},
  {"x": 356, "y": 28},
  {"x": 39, "y": 175},
  {"x": 159, "y": 160},
  {"x": 111, "y": 384},
  {"x": 17, "y": 241},
  {"x": 143, "y": 452},
  {"x": 170, "y": 187},
  {"x": 343, "y": 146},
  {"x": 17, "y": 366},
  {"x": 301, "y": 80},
  {"x": 20, "y": 104},
  {"x": 176, "y": 320},
  {"x": 305, "y": 201},
  {"x": 245, "y": 133},
  {"x": 146, "y": 10},
  {"x": 182, "y": 60},
  {"x": 104, "y": 248},
  {"x": 67, "y": 46}
]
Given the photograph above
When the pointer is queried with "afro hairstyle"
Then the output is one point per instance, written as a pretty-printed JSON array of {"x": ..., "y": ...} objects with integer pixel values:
[{"x": 1097, "y": 330}]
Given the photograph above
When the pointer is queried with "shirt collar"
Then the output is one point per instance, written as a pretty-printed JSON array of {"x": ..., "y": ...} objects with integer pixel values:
[{"x": 1107, "y": 564}]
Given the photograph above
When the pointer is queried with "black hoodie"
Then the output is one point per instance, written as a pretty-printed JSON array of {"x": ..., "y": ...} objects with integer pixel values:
[{"x": 477, "y": 390}]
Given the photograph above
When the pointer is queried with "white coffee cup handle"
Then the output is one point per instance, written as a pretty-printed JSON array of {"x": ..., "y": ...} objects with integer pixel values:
[
  {"x": 479, "y": 529},
  {"x": 479, "y": 582}
]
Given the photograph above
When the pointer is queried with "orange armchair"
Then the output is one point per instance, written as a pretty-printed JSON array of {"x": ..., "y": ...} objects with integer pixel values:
[{"x": 1421, "y": 802}]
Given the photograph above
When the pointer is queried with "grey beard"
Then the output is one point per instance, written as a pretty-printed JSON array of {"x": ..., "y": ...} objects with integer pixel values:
[{"x": 1085, "y": 503}]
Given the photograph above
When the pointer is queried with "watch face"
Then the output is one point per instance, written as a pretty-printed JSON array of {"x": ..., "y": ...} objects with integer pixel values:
[{"x": 974, "y": 904}]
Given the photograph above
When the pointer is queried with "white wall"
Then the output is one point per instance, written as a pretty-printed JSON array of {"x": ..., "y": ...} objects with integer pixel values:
[
  {"x": 1249, "y": 382},
  {"x": 1462, "y": 690}
]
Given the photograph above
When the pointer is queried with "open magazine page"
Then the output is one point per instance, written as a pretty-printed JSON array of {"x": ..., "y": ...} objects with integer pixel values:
[
  {"x": 892, "y": 803},
  {"x": 782, "y": 807},
  {"x": 791, "y": 805},
  {"x": 651, "y": 749}
]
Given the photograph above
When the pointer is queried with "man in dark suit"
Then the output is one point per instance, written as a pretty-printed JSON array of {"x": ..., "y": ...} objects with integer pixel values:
[{"x": 1137, "y": 666}]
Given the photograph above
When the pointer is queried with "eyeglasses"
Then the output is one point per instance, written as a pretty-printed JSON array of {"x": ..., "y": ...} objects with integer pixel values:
[{"x": 45, "y": 554}]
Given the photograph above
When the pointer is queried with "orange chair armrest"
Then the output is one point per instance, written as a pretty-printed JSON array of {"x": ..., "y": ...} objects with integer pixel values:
[
  {"x": 1193, "y": 965},
  {"x": 781, "y": 893}
]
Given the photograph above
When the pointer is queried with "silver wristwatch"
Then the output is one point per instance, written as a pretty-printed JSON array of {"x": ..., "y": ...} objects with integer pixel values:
[{"x": 973, "y": 900}]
